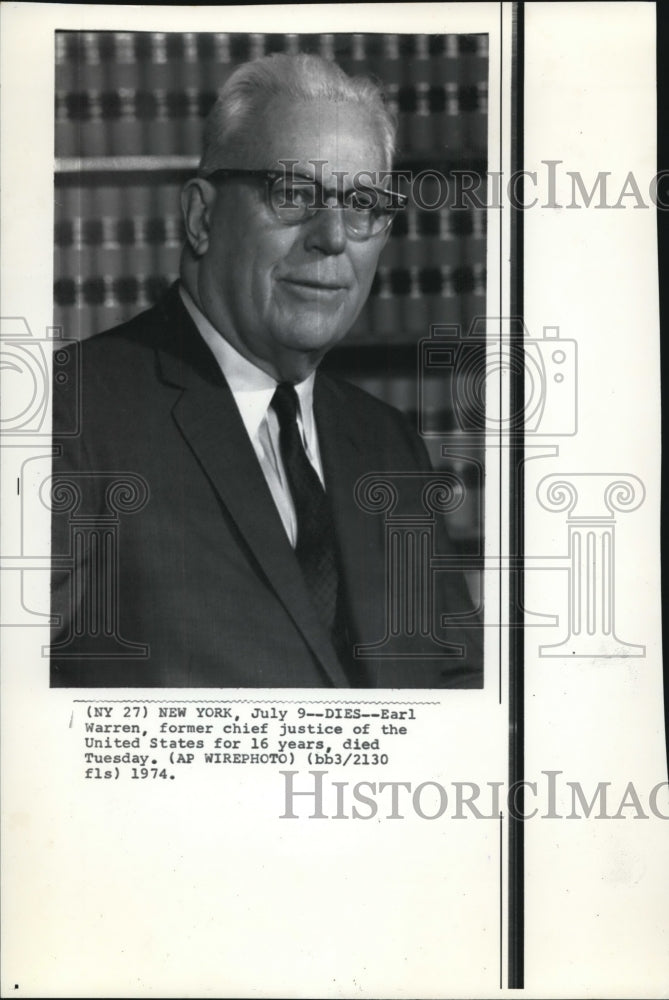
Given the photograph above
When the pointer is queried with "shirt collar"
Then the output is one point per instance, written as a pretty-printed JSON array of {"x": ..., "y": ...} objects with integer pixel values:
[{"x": 251, "y": 387}]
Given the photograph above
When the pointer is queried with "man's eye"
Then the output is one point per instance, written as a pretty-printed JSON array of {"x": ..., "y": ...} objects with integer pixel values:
[
  {"x": 360, "y": 201},
  {"x": 297, "y": 195}
]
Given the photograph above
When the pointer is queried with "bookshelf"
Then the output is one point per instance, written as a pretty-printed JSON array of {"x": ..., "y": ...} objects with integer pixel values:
[{"x": 129, "y": 110}]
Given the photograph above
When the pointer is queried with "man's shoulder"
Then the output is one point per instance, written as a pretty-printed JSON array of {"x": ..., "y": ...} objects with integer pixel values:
[
  {"x": 114, "y": 373},
  {"x": 132, "y": 337},
  {"x": 127, "y": 351}
]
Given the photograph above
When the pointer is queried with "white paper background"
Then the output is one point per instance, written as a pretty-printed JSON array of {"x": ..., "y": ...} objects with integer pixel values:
[
  {"x": 596, "y": 917},
  {"x": 196, "y": 887}
]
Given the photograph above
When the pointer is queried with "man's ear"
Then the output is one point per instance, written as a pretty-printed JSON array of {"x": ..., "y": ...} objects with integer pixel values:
[{"x": 196, "y": 201}]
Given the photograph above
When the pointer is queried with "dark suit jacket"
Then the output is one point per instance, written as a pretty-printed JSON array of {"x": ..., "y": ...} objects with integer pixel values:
[{"x": 184, "y": 575}]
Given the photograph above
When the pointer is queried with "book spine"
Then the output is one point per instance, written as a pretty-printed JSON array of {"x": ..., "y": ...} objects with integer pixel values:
[
  {"x": 90, "y": 289},
  {"x": 383, "y": 306},
  {"x": 66, "y": 209},
  {"x": 186, "y": 99},
  {"x": 478, "y": 137},
  {"x": 327, "y": 47},
  {"x": 105, "y": 208},
  {"x": 416, "y": 305},
  {"x": 125, "y": 135},
  {"x": 93, "y": 134},
  {"x": 66, "y": 83},
  {"x": 164, "y": 234},
  {"x": 161, "y": 129}
]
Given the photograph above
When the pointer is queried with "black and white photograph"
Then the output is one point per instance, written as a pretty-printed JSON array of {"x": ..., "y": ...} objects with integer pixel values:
[{"x": 242, "y": 492}]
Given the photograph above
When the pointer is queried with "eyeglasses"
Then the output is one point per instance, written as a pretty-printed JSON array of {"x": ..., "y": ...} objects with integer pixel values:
[{"x": 294, "y": 199}]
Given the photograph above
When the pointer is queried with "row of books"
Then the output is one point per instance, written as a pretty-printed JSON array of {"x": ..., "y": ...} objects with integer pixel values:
[
  {"x": 134, "y": 93},
  {"x": 190, "y": 58},
  {"x": 449, "y": 119}
]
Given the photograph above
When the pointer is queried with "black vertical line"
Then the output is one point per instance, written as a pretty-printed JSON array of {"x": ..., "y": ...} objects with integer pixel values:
[
  {"x": 499, "y": 387},
  {"x": 516, "y": 862},
  {"x": 499, "y": 487},
  {"x": 662, "y": 78},
  {"x": 501, "y": 900}
]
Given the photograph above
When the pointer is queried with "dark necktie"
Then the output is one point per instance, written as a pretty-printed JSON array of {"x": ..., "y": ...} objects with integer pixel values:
[{"x": 315, "y": 549}]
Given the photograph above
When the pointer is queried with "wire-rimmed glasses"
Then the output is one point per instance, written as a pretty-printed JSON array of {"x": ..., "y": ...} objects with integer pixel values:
[{"x": 367, "y": 210}]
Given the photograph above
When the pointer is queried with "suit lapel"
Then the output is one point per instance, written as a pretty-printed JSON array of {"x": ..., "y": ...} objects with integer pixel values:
[{"x": 209, "y": 420}]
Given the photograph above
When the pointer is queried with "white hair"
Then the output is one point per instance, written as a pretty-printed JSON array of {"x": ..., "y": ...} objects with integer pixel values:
[{"x": 249, "y": 89}]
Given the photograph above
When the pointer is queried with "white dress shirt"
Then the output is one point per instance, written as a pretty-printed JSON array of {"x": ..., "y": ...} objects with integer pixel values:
[{"x": 253, "y": 389}]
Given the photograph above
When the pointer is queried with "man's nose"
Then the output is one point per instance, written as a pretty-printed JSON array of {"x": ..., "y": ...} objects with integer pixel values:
[{"x": 326, "y": 231}]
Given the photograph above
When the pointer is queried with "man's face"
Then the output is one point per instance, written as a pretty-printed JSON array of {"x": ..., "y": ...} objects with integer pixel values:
[{"x": 285, "y": 294}]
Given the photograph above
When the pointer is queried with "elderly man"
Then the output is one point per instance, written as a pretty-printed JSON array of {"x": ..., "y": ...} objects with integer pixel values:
[{"x": 247, "y": 560}]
